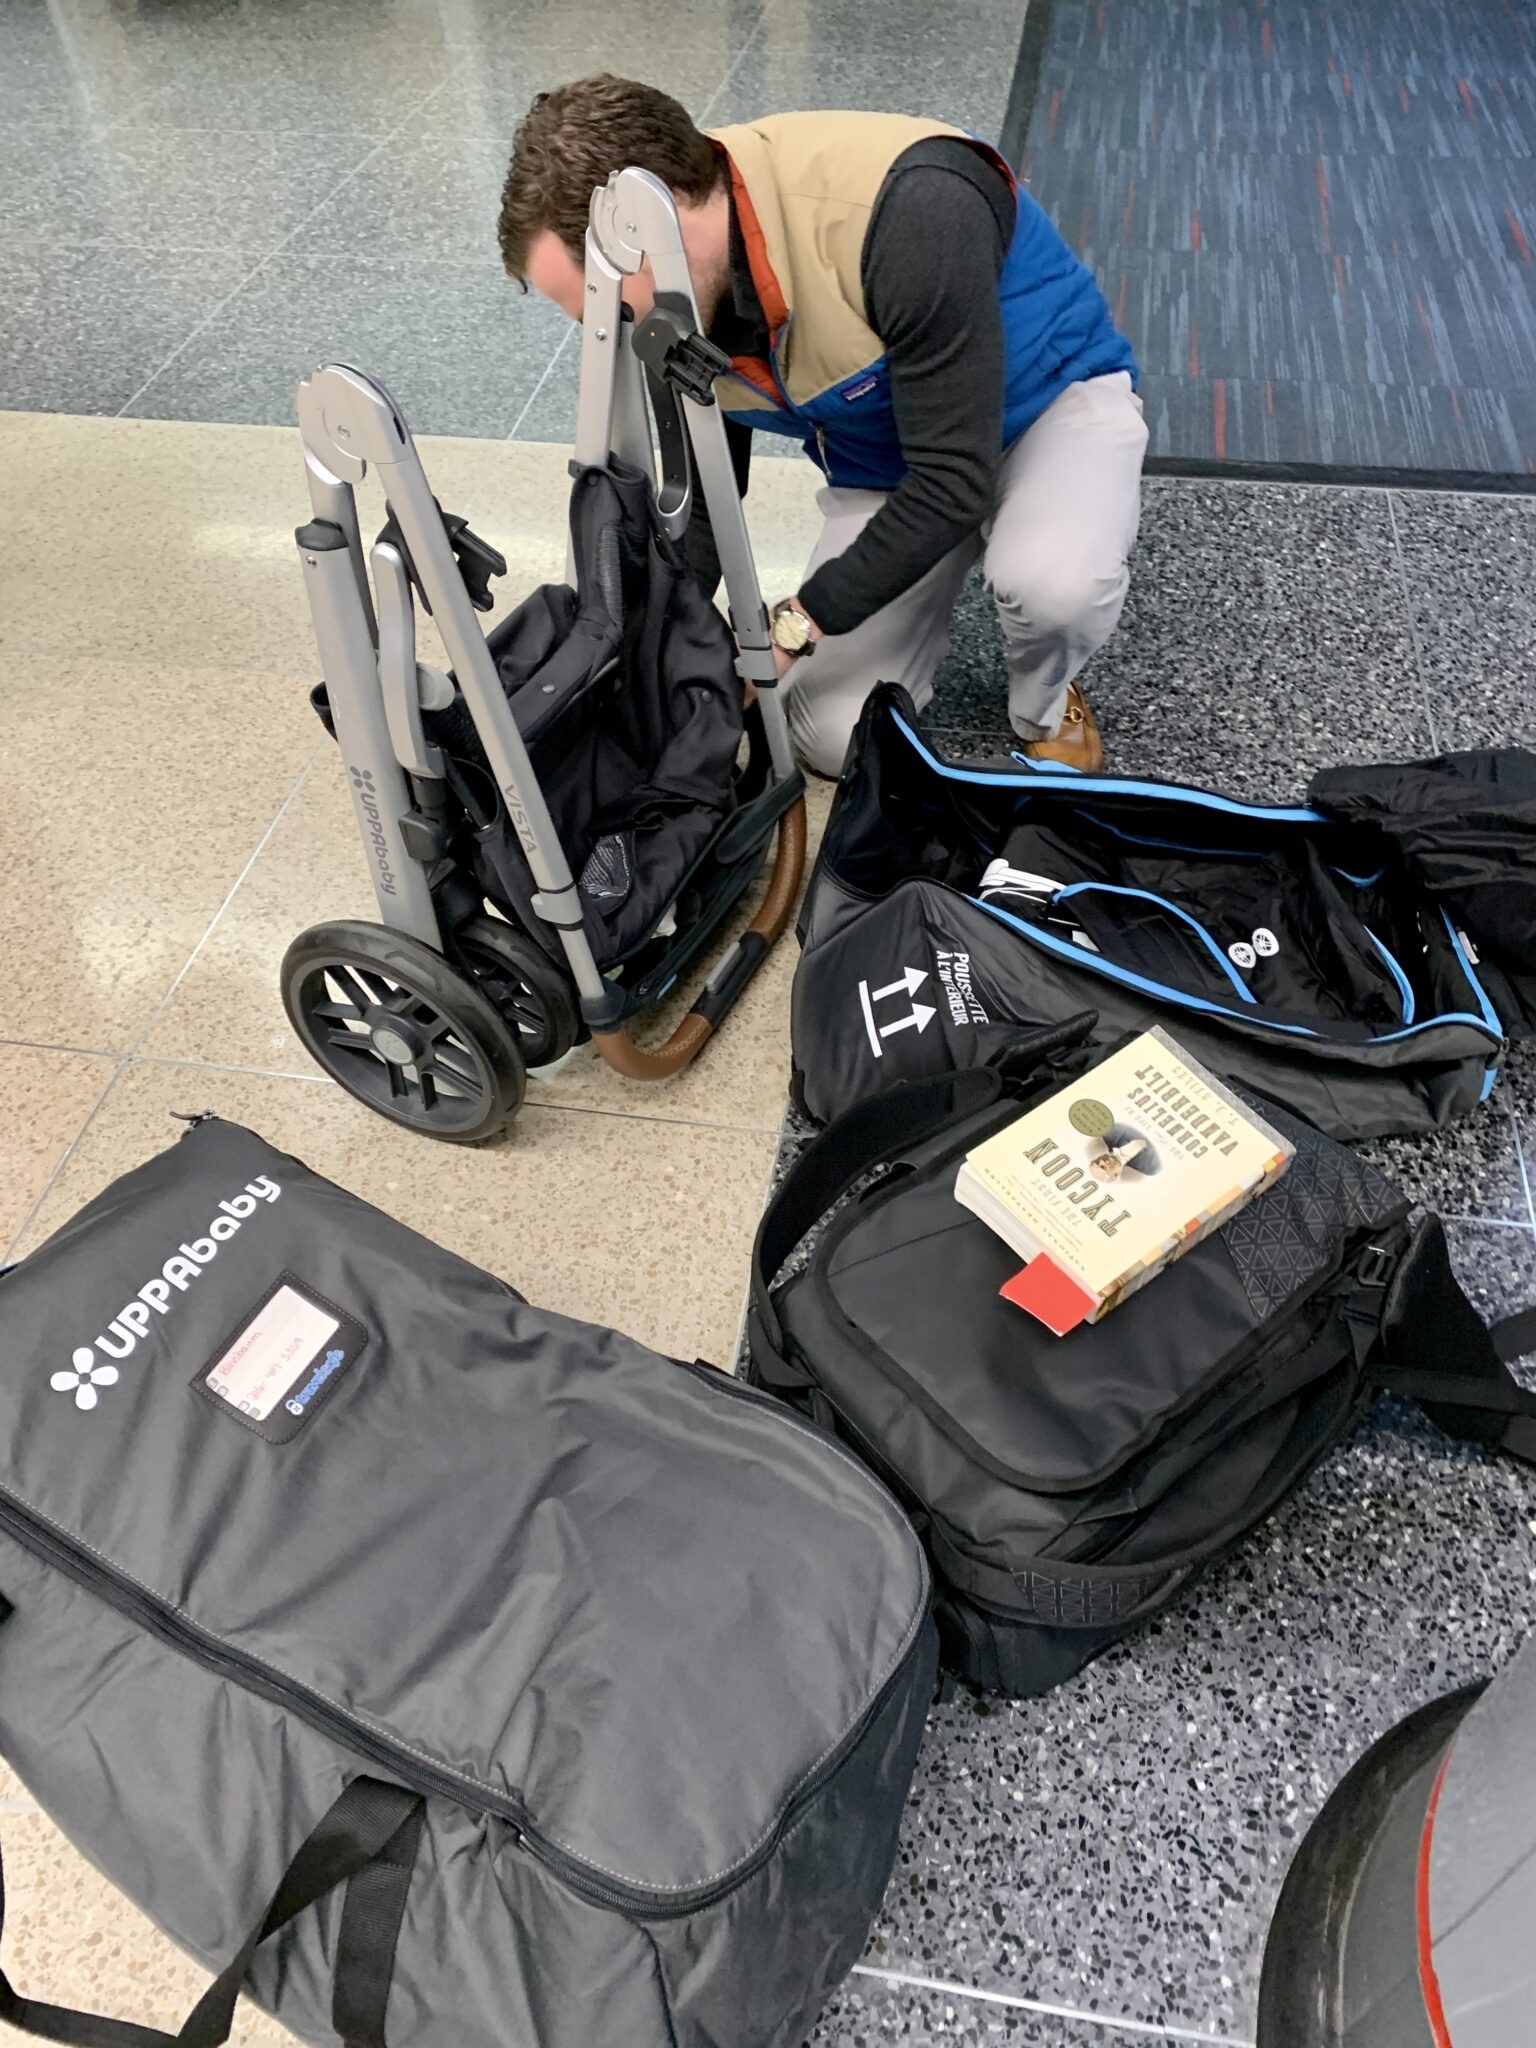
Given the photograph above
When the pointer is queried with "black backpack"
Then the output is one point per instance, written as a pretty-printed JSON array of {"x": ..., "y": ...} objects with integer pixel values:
[{"x": 1068, "y": 1488}]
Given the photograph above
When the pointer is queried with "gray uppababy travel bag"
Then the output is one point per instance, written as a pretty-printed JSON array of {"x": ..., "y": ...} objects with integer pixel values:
[{"x": 525, "y": 1688}]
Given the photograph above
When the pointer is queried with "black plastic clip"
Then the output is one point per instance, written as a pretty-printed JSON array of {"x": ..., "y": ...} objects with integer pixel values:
[
  {"x": 670, "y": 346},
  {"x": 477, "y": 560},
  {"x": 1376, "y": 1266}
]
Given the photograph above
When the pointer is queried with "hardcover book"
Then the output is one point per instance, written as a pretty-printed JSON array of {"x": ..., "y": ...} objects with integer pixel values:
[{"x": 1100, "y": 1186}]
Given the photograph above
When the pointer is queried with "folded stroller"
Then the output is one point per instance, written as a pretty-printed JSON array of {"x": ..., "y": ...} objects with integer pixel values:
[{"x": 559, "y": 826}]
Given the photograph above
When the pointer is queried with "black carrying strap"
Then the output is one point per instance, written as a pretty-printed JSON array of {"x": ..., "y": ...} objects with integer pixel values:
[
  {"x": 1438, "y": 1351},
  {"x": 1514, "y": 1336},
  {"x": 860, "y": 1139},
  {"x": 372, "y": 1828}
]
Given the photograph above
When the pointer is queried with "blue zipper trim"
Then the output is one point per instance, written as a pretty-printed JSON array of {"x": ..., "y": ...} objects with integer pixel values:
[
  {"x": 1180, "y": 1000},
  {"x": 1359, "y": 881},
  {"x": 1404, "y": 990},
  {"x": 1199, "y": 930},
  {"x": 1286, "y": 814},
  {"x": 1275, "y": 813}
]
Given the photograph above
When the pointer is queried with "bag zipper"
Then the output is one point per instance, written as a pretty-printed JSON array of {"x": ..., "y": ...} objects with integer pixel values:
[{"x": 415, "y": 1772}]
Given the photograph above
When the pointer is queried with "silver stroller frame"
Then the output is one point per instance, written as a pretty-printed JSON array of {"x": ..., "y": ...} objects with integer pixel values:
[{"x": 377, "y": 688}]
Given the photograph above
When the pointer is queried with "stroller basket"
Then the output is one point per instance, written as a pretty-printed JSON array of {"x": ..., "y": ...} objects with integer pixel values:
[{"x": 625, "y": 691}]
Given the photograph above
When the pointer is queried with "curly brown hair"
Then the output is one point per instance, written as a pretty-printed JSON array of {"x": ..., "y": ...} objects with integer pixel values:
[{"x": 573, "y": 139}]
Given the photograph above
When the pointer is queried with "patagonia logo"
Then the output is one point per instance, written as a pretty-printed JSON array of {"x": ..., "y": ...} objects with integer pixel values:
[
  {"x": 88, "y": 1371},
  {"x": 860, "y": 390}
]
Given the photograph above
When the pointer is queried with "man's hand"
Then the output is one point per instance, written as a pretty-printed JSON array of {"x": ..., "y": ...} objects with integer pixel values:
[{"x": 783, "y": 660}]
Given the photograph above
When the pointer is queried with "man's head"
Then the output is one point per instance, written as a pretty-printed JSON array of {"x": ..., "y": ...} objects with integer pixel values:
[{"x": 572, "y": 140}]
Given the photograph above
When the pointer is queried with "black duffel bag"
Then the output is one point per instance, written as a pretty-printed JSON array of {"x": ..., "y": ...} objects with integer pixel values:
[
  {"x": 437, "y": 1668},
  {"x": 1069, "y": 1487}
]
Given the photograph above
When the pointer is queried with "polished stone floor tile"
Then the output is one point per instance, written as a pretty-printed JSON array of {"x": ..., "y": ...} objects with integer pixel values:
[
  {"x": 434, "y": 194},
  {"x": 1264, "y": 636},
  {"x": 145, "y": 799},
  {"x": 36, "y": 80},
  {"x": 48, "y": 1096},
  {"x": 640, "y": 39},
  {"x": 787, "y": 69},
  {"x": 234, "y": 190},
  {"x": 1497, "y": 1268},
  {"x": 453, "y": 341},
  {"x": 71, "y": 1939},
  {"x": 548, "y": 413},
  {"x": 188, "y": 533},
  {"x": 1472, "y": 1168},
  {"x": 490, "y": 87},
  {"x": 1517, "y": 1087},
  {"x": 645, "y": 1227},
  {"x": 908, "y": 29},
  {"x": 86, "y": 328},
  {"x": 1118, "y": 1845},
  {"x": 1470, "y": 564},
  {"x": 346, "y": 65},
  {"x": 869, "y": 2011}
]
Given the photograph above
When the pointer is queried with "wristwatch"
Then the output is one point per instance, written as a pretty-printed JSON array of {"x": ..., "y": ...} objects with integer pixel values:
[{"x": 790, "y": 628}]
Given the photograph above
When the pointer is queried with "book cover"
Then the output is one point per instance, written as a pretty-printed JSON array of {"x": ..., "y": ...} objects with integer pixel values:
[{"x": 1098, "y": 1187}]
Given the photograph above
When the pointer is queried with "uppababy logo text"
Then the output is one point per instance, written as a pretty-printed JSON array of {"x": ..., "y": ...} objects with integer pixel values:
[
  {"x": 368, "y": 797},
  {"x": 122, "y": 1334}
]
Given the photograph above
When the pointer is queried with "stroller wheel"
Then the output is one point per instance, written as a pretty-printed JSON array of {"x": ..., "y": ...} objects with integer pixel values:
[
  {"x": 525, "y": 985},
  {"x": 400, "y": 1029}
]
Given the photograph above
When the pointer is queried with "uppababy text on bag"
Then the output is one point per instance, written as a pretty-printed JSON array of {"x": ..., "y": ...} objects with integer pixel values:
[
  {"x": 523, "y": 1686},
  {"x": 1314, "y": 954},
  {"x": 1070, "y": 1487}
]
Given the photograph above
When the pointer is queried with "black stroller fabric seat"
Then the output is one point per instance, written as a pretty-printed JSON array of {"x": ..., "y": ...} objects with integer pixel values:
[
  {"x": 1311, "y": 948},
  {"x": 626, "y": 694}
]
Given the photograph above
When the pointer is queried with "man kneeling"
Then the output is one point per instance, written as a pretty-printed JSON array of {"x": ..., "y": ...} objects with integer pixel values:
[{"x": 890, "y": 298}]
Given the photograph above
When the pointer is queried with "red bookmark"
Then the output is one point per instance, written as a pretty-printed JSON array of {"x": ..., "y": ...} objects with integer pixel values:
[{"x": 1049, "y": 1295}]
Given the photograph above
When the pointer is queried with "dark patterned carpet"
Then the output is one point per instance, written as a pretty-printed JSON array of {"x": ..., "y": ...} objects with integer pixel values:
[{"x": 1317, "y": 222}]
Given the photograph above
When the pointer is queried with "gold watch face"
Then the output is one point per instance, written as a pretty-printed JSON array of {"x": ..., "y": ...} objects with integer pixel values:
[{"x": 791, "y": 629}]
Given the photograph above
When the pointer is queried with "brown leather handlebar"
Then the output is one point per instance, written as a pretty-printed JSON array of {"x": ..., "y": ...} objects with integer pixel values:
[{"x": 641, "y": 1063}]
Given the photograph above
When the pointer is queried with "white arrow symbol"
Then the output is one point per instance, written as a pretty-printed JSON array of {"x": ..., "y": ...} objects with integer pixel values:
[
  {"x": 922, "y": 1016},
  {"x": 911, "y": 981}
]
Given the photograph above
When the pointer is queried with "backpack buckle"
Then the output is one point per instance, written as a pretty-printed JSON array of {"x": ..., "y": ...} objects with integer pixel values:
[{"x": 1375, "y": 1266}]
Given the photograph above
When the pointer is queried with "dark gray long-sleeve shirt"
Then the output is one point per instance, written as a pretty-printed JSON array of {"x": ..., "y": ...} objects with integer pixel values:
[{"x": 933, "y": 253}]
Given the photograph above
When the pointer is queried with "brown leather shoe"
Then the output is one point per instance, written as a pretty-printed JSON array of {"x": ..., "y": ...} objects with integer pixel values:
[{"x": 1078, "y": 742}]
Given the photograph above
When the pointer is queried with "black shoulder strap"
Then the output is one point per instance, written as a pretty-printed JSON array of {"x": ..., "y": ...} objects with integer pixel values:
[
  {"x": 868, "y": 1133},
  {"x": 371, "y": 1827},
  {"x": 1437, "y": 1350},
  {"x": 824, "y": 1172},
  {"x": 1514, "y": 1336}
]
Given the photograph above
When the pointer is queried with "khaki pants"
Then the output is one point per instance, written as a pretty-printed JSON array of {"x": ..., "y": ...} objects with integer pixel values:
[{"x": 1055, "y": 555}]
